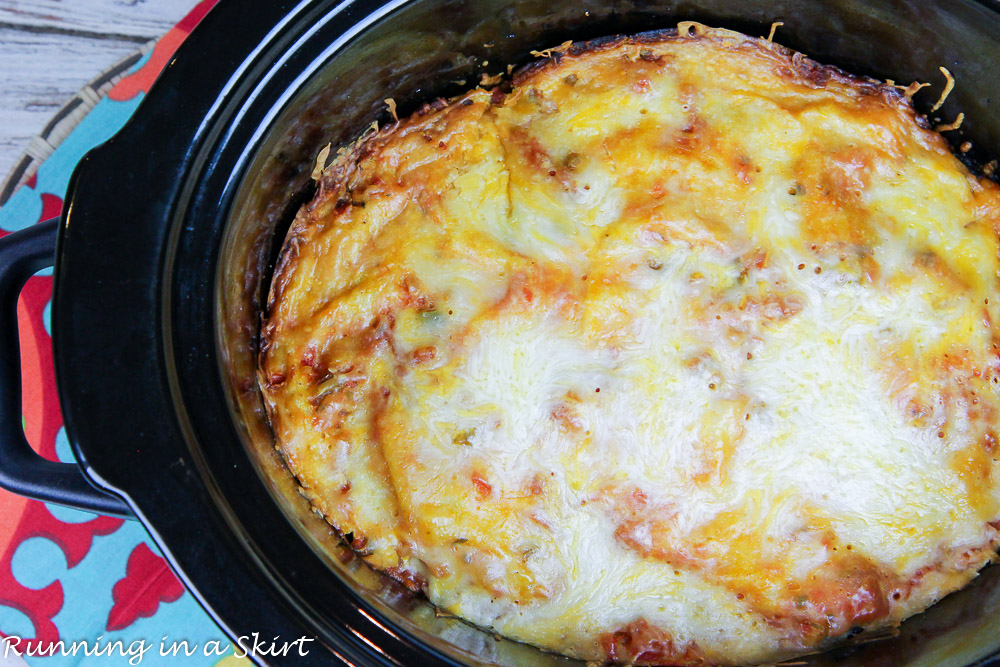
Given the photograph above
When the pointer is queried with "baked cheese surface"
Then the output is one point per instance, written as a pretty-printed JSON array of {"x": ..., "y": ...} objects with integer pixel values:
[{"x": 682, "y": 351}]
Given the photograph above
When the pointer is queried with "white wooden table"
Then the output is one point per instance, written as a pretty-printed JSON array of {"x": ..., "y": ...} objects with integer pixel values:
[{"x": 49, "y": 49}]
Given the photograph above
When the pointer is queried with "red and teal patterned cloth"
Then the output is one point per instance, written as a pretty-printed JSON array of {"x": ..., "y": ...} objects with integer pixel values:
[{"x": 65, "y": 574}]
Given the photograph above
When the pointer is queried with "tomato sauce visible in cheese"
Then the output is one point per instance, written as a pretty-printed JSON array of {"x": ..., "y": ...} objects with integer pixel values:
[{"x": 679, "y": 351}]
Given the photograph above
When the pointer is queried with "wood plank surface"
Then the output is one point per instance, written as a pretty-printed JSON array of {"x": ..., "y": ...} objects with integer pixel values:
[
  {"x": 49, "y": 49},
  {"x": 141, "y": 20}
]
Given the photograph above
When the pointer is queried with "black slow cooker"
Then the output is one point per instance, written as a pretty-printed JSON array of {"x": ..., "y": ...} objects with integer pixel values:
[{"x": 170, "y": 230}]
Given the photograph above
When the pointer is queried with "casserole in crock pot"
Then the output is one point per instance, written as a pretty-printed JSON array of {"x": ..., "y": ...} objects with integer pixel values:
[{"x": 679, "y": 350}]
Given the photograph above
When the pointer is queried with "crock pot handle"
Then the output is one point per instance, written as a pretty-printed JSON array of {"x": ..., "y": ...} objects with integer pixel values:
[{"x": 23, "y": 471}]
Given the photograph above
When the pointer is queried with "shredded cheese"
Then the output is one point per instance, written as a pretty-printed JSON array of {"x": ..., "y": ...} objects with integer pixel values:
[{"x": 948, "y": 87}]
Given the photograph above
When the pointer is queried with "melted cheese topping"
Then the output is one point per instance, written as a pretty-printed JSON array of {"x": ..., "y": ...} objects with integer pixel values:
[{"x": 680, "y": 352}]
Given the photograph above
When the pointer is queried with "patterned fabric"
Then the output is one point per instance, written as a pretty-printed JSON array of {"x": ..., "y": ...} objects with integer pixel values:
[{"x": 65, "y": 574}]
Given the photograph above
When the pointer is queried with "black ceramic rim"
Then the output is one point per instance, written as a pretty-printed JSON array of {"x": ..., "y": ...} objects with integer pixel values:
[{"x": 133, "y": 346}]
